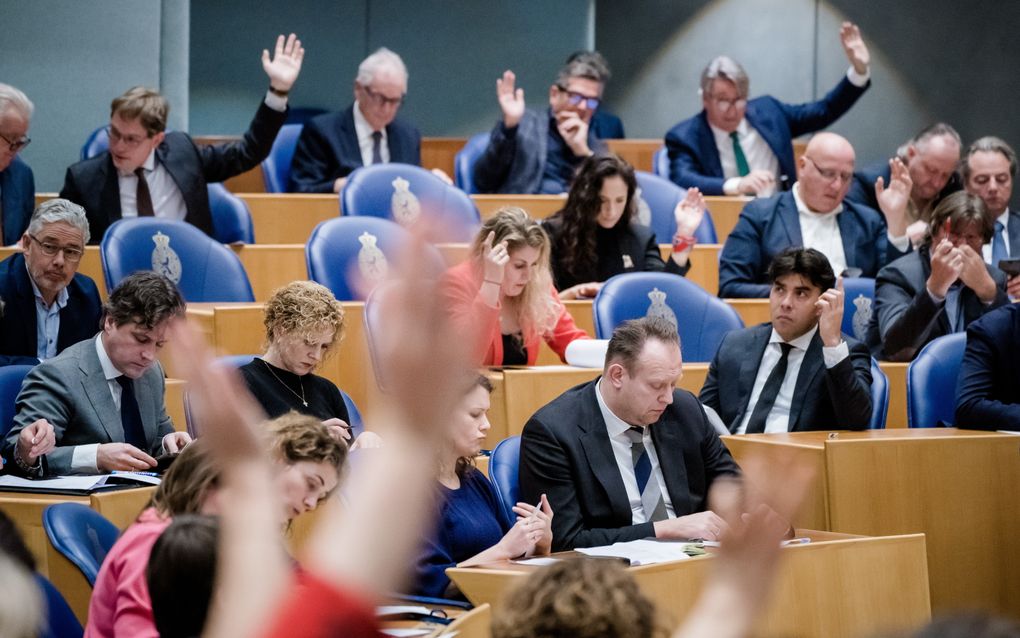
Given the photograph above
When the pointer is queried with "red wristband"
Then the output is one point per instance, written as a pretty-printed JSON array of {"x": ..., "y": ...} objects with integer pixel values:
[{"x": 682, "y": 243}]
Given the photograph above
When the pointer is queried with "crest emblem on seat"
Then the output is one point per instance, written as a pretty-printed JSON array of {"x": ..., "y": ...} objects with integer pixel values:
[
  {"x": 371, "y": 260},
  {"x": 658, "y": 307},
  {"x": 404, "y": 205},
  {"x": 644, "y": 211},
  {"x": 862, "y": 317},
  {"x": 164, "y": 259}
]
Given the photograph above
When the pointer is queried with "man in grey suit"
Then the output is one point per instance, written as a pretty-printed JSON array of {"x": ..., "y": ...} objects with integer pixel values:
[{"x": 99, "y": 405}]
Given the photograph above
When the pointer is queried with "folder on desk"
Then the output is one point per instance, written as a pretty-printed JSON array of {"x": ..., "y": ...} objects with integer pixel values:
[{"x": 78, "y": 485}]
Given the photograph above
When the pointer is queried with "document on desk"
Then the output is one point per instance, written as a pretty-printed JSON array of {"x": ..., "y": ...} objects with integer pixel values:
[
  {"x": 640, "y": 552},
  {"x": 78, "y": 484}
]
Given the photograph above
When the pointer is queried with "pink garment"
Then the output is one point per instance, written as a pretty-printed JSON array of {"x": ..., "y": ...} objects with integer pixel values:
[{"x": 120, "y": 604}]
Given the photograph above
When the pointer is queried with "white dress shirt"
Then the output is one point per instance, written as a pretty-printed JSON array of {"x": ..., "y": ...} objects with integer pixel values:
[
  {"x": 364, "y": 131},
  {"x": 617, "y": 429},
  {"x": 778, "y": 419},
  {"x": 820, "y": 230}
]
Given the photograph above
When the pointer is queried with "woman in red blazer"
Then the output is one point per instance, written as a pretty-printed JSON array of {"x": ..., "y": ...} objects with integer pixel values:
[{"x": 503, "y": 294}]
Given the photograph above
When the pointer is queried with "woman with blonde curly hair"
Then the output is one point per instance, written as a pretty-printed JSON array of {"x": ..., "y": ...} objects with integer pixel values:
[
  {"x": 503, "y": 295},
  {"x": 304, "y": 324}
]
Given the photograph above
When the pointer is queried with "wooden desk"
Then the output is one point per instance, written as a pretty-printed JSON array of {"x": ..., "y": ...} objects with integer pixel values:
[
  {"x": 897, "y": 375},
  {"x": 957, "y": 487},
  {"x": 120, "y": 507},
  {"x": 538, "y": 206},
  {"x": 725, "y": 210},
  {"x": 288, "y": 218},
  {"x": 270, "y": 266},
  {"x": 639, "y": 153},
  {"x": 440, "y": 152},
  {"x": 850, "y": 587}
]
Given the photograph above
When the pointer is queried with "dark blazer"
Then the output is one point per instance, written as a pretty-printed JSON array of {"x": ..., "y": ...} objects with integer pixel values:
[
  {"x": 988, "y": 391},
  {"x": 17, "y": 190},
  {"x": 514, "y": 160},
  {"x": 1013, "y": 230},
  {"x": 79, "y": 319},
  {"x": 904, "y": 317},
  {"x": 862, "y": 187},
  {"x": 694, "y": 157},
  {"x": 93, "y": 184},
  {"x": 607, "y": 126},
  {"x": 328, "y": 149},
  {"x": 836, "y": 398},
  {"x": 566, "y": 454},
  {"x": 71, "y": 392},
  {"x": 768, "y": 226}
]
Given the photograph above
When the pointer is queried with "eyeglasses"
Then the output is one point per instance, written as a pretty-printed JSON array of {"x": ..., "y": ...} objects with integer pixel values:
[
  {"x": 16, "y": 145},
  {"x": 830, "y": 174},
  {"x": 575, "y": 99},
  {"x": 725, "y": 105},
  {"x": 130, "y": 141},
  {"x": 71, "y": 253},
  {"x": 382, "y": 100}
]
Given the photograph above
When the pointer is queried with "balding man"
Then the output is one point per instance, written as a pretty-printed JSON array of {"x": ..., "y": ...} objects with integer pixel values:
[
  {"x": 740, "y": 147},
  {"x": 368, "y": 132},
  {"x": 813, "y": 214},
  {"x": 931, "y": 158},
  {"x": 17, "y": 185}
]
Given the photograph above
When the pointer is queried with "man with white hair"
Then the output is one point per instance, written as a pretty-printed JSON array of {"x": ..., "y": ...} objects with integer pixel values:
[
  {"x": 17, "y": 185},
  {"x": 367, "y": 132},
  {"x": 47, "y": 305}
]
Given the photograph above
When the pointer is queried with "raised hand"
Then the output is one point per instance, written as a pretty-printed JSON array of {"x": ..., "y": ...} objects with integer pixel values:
[
  {"x": 689, "y": 212},
  {"x": 494, "y": 259},
  {"x": 893, "y": 199},
  {"x": 511, "y": 99},
  {"x": 829, "y": 309},
  {"x": 285, "y": 65},
  {"x": 853, "y": 45}
]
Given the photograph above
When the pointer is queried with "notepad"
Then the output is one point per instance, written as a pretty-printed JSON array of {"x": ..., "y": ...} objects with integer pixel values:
[{"x": 639, "y": 552}]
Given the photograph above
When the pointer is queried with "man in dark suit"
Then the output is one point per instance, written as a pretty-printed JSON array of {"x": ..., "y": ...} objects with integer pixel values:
[
  {"x": 737, "y": 147},
  {"x": 99, "y": 406},
  {"x": 17, "y": 185},
  {"x": 988, "y": 392},
  {"x": 798, "y": 372},
  {"x": 854, "y": 238},
  {"x": 47, "y": 305},
  {"x": 147, "y": 171},
  {"x": 988, "y": 172},
  {"x": 941, "y": 287},
  {"x": 531, "y": 152},
  {"x": 931, "y": 158},
  {"x": 368, "y": 132},
  {"x": 626, "y": 456},
  {"x": 604, "y": 125}
]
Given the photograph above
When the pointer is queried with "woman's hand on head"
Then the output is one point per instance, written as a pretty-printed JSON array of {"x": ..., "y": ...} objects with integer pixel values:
[{"x": 494, "y": 258}]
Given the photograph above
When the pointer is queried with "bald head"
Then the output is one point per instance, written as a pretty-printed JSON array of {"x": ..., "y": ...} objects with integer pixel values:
[
  {"x": 825, "y": 171},
  {"x": 931, "y": 161}
]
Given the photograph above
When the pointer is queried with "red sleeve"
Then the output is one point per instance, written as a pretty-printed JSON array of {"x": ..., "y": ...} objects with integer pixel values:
[
  {"x": 314, "y": 608},
  {"x": 470, "y": 314},
  {"x": 563, "y": 332}
]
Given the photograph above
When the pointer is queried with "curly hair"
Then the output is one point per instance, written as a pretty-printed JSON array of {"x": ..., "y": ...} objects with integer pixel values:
[
  {"x": 297, "y": 437},
  {"x": 575, "y": 245},
  {"x": 146, "y": 298},
  {"x": 303, "y": 307},
  {"x": 536, "y": 308},
  {"x": 577, "y": 597}
]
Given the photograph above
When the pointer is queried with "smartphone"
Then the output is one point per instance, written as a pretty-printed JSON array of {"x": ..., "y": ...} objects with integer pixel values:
[{"x": 1010, "y": 266}]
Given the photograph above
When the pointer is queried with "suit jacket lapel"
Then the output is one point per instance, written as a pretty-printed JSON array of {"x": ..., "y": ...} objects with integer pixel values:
[
  {"x": 848, "y": 234},
  {"x": 667, "y": 436},
  {"x": 348, "y": 138},
  {"x": 23, "y": 314},
  {"x": 599, "y": 452},
  {"x": 146, "y": 403},
  {"x": 810, "y": 367},
  {"x": 110, "y": 198},
  {"x": 749, "y": 370},
  {"x": 97, "y": 389},
  {"x": 707, "y": 149},
  {"x": 789, "y": 217},
  {"x": 1013, "y": 225}
]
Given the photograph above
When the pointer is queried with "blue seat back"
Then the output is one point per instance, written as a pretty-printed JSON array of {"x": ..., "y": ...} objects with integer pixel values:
[
  {"x": 858, "y": 302},
  {"x": 11, "y": 378},
  {"x": 503, "y": 466},
  {"x": 276, "y": 166},
  {"x": 403, "y": 192},
  {"x": 80, "y": 534},
  {"x": 344, "y": 251},
  {"x": 464, "y": 162},
  {"x": 702, "y": 319},
  {"x": 60, "y": 619},
  {"x": 660, "y": 163},
  {"x": 98, "y": 141},
  {"x": 203, "y": 269},
  {"x": 662, "y": 196},
  {"x": 231, "y": 218},
  {"x": 879, "y": 397},
  {"x": 931, "y": 382}
]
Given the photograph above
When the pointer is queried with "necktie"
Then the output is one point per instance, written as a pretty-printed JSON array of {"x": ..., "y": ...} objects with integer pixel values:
[
  {"x": 999, "y": 251},
  {"x": 954, "y": 309},
  {"x": 376, "y": 147},
  {"x": 738, "y": 152},
  {"x": 769, "y": 393},
  {"x": 143, "y": 199},
  {"x": 130, "y": 415},
  {"x": 651, "y": 495}
]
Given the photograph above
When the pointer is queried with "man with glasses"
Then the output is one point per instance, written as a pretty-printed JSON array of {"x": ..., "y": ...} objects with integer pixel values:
[
  {"x": 150, "y": 172},
  {"x": 17, "y": 185},
  {"x": 531, "y": 152},
  {"x": 813, "y": 214},
  {"x": 367, "y": 132},
  {"x": 47, "y": 305},
  {"x": 741, "y": 147}
]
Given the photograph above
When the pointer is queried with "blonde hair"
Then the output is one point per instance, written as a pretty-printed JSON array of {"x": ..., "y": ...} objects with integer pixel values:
[
  {"x": 536, "y": 308},
  {"x": 296, "y": 437},
  {"x": 302, "y": 307}
]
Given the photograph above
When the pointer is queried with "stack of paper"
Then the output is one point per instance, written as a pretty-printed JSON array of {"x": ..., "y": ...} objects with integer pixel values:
[{"x": 641, "y": 552}]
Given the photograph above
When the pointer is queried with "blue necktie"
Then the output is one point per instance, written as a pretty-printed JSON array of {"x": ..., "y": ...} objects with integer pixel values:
[
  {"x": 651, "y": 497},
  {"x": 954, "y": 309},
  {"x": 130, "y": 415},
  {"x": 999, "y": 251}
]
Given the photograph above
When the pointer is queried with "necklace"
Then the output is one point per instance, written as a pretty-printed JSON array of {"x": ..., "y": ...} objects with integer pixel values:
[{"x": 301, "y": 384}]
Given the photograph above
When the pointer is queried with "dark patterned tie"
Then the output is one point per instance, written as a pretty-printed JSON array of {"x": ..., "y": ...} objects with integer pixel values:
[
  {"x": 143, "y": 199},
  {"x": 769, "y": 393},
  {"x": 130, "y": 415},
  {"x": 376, "y": 147},
  {"x": 651, "y": 496}
]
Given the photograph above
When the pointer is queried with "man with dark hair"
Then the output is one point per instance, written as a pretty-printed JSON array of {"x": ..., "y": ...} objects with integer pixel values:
[
  {"x": 99, "y": 405},
  {"x": 941, "y": 287},
  {"x": 629, "y": 455},
  {"x": 531, "y": 152},
  {"x": 988, "y": 172},
  {"x": 797, "y": 372},
  {"x": 149, "y": 172},
  {"x": 604, "y": 125}
]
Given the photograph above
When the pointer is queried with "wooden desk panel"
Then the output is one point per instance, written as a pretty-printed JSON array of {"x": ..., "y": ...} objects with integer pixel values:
[
  {"x": 270, "y": 266},
  {"x": 288, "y": 218},
  {"x": 725, "y": 210},
  {"x": 852, "y": 587},
  {"x": 639, "y": 153},
  {"x": 538, "y": 206},
  {"x": 897, "y": 374},
  {"x": 90, "y": 265},
  {"x": 174, "y": 401},
  {"x": 751, "y": 311},
  {"x": 440, "y": 152},
  {"x": 250, "y": 181}
]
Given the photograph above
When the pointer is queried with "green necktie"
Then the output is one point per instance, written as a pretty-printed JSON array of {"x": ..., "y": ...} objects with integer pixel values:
[{"x": 738, "y": 153}]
